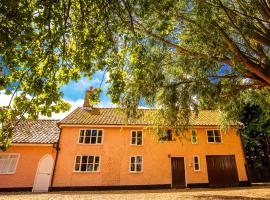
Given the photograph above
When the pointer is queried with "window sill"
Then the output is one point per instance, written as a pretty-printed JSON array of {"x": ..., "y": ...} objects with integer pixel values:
[
  {"x": 9, "y": 173},
  {"x": 135, "y": 172},
  {"x": 97, "y": 172}
]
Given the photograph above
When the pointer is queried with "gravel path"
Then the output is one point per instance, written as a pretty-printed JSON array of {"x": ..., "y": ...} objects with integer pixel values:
[{"x": 256, "y": 193}]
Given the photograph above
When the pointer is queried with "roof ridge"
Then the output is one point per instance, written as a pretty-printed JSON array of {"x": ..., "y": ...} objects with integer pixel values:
[
  {"x": 211, "y": 110},
  {"x": 70, "y": 113},
  {"x": 40, "y": 120}
]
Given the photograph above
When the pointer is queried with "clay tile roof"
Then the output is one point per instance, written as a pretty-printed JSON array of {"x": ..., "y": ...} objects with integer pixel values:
[
  {"x": 36, "y": 131},
  {"x": 113, "y": 116}
]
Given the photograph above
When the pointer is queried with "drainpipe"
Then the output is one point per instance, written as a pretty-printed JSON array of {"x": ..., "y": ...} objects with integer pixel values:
[
  {"x": 244, "y": 153},
  {"x": 56, "y": 158}
]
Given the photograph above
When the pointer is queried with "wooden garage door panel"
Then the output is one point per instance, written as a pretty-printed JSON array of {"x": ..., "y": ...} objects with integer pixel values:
[
  {"x": 222, "y": 171},
  {"x": 178, "y": 172}
]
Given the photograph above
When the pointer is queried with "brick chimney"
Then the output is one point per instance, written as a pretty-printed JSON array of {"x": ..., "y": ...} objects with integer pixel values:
[{"x": 86, "y": 100}]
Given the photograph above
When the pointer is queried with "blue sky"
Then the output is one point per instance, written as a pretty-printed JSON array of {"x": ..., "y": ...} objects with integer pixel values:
[{"x": 75, "y": 91}]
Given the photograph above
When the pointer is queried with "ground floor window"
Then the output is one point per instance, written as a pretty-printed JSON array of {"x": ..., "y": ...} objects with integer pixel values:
[
  {"x": 196, "y": 161},
  {"x": 8, "y": 163},
  {"x": 87, "y": 163},
  {"x": 136, "y": 164}
]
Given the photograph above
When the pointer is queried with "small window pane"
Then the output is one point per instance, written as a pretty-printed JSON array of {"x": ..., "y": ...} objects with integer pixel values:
[
  {"x": 90, "y": 159},
  {"x": 133, "y": 134},
  {"x": 83, "y": 167},
  {"x": 210, "y": 133},
  {"x": 197, "y": 166},
  {"x": 132, "y": 159},
  {"x": 77, "y": 167},
  {"x": 87, "y": 140},
  {"x": 195, "y": 159},
  {"x": 99, "y": 140},
  {"x": 90, "y": 167},
  {"x": 84, "y": 159},
  {"x": 132, "y": 167},
  {"x": 211, "y": 139},
  {"x": 218, "y": 139},
  {"x": 133, "y": 141},
  {"x": 139, "y": 141},
  {"x": 81, "y": 140},
  {"x": 96, "y": 159},
  {"x": 82, "y": 133},
  {"x": 139, "y": 134},
  {"x": 93, "y": 140},
  {"x": 78, "y": 159},
  {"x": 138, "y": 167},
  {"x": 88, "y": 132},
  {"x": 216, "y": 133},
  {"x": 99, "y": 132},
  {"x": 139, "y": 159},
  {"x": 96, "y": 167},
  {"x": 94, "y": 133}
]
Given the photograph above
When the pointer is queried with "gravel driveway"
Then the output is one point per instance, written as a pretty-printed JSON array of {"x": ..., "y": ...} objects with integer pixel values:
[{"x": 256, "y": 193}]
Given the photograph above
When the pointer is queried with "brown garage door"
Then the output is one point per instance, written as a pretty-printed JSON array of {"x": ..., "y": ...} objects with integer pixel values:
[
  {"x": 222, "y": 171},
  {"x": 178, "y": 172}
]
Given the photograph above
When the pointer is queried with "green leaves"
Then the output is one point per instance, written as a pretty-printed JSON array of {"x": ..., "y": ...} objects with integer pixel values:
[{"x": 167, "y": 54}]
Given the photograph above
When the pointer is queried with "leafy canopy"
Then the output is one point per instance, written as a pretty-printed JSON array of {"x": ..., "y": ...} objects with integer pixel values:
[{"x": 175, "y": 55}]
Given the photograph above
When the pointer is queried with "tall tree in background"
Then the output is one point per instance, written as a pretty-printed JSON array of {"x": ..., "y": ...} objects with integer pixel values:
[
  {"x": 256, "y": 136},
  {"x": 256, "y": 139},
  {"x": 176, "y": 55}
]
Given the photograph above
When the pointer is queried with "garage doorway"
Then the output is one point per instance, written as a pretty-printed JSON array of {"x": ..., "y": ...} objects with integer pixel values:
[
  {"x": 43, "y": 174},
  {"x": 222, "y": 171}
]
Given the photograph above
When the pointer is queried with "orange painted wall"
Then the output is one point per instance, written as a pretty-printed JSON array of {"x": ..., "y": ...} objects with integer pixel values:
[
  {"x": 26, "y": 167},
  {"x": 116, "y": 150}
]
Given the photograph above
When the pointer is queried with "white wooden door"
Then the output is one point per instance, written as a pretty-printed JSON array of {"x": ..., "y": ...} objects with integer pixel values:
[{"x": 44, "y": 174}]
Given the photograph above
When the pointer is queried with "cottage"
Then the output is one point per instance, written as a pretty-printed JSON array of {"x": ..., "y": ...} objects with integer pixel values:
[
  {"x": 98, "y": 149},
  {"x": 27, "y": 165}
]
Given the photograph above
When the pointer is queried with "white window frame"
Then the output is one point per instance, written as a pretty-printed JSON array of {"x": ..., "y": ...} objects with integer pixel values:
[
  {"x": 17, "y": 161},
  {"x": 93, "y": 164},
  {"x": 85, "y": 129},
  {"x": 221, "y": 139},
  {"x": 192, "y": 137},
  {"x": 135, "y": 164},
  {"x": 136, "y": 143},
  {"x": 199, "y": 163}
]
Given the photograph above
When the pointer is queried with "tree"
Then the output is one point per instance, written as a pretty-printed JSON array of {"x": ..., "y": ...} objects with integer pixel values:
[
  {"x": 256, "y": 135},
  {"x": 176, "y": 55}
]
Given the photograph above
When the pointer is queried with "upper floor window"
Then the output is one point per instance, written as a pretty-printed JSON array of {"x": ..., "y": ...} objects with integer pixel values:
[
  {"x": 194, "y": 137},
  {"x": 8, "y": 163},
  {"x": 136, "y": 163},
  {"x": 91, "y": 136},
  {"x": 196, "y": 161},
  {"x": 87, "y": 164},
  {"x": 165, "y": 135},
  {"x": 136, "y": 138},
  {"x": 213, "y": 136}
]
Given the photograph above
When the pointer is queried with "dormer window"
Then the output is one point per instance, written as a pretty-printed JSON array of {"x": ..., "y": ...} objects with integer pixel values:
[{"x": 91, "y": 136}]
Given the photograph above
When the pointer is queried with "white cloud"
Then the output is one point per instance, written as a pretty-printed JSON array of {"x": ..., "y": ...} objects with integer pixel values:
[
  {"x": 74, "y": 105},
  {"x": 62, "y": 115},
  {"x": 4, "y": 99}
]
